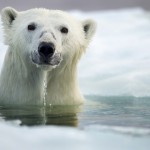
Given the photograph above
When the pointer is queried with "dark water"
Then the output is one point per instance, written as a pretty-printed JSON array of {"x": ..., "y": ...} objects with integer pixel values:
[{"x": 110, "y": 111}]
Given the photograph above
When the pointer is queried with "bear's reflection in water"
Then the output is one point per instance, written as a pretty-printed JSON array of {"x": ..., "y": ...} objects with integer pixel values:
[{"x": 52, "y": 115}]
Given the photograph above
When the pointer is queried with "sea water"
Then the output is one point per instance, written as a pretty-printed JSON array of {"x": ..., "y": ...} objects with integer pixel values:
[
  {"x": 104, "y": 111},
  {"x": 101, "y": 123}
]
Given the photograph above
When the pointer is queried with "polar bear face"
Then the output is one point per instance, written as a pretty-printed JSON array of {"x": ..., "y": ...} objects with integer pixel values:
[{"x": 46, "y": 38}]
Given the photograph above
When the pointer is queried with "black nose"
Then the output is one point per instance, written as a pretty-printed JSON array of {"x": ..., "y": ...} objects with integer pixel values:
[{"x": 46, "y": 50}]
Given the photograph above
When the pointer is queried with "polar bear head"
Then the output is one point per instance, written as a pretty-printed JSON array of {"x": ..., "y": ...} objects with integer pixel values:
[{"x": 46, "y": 38}]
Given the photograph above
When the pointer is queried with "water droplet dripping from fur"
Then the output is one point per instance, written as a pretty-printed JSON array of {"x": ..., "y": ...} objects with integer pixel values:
[
  {"x": 44, "y": 92},
  {"x": 37, "y": 65}
]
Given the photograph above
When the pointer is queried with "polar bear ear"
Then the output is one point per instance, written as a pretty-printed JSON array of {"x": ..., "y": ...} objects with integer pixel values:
[
  {"x": 8, "y": 15},
  {"x": 89, "y": 27}
]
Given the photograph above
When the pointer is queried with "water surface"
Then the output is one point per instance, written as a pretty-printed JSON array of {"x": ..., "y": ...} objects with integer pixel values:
[{"x": 105, "y": 111}]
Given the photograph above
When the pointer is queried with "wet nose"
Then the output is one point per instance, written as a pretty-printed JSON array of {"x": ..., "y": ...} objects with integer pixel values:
[{"x": 46, "y": 50}]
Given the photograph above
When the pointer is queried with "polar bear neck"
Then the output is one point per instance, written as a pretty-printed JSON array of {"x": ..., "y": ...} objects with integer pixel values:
[
  {"x": 20, "y": 83},
  {"x": 62, "y": 87}
]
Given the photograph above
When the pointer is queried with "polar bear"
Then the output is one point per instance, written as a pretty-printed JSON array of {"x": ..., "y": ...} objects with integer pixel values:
[{"x": 44, "y": 47}]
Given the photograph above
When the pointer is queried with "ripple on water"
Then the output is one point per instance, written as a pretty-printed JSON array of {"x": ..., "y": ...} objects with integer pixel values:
[{"x": 119, "y": 114}]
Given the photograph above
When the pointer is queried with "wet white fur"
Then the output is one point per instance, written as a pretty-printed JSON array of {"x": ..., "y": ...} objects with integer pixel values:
[{"x": 21, "y": 81}]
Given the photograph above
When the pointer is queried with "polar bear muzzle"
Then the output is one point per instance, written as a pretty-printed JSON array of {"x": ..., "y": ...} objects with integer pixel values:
[
  {"x": 46, "y": 50},
  {"x": 47, "y": 54}
]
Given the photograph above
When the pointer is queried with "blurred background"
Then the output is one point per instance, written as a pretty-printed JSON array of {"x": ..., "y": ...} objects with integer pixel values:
[{"x": 86, "y": 5}]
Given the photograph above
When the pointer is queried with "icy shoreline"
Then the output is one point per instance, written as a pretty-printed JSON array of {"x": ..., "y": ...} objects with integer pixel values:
[{"x": 67, "y": 138}]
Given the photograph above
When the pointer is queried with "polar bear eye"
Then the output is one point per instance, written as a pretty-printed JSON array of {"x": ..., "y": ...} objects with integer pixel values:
[
  {"x": 64, "y": 30},
  {"x": 31, "y": 27}
]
